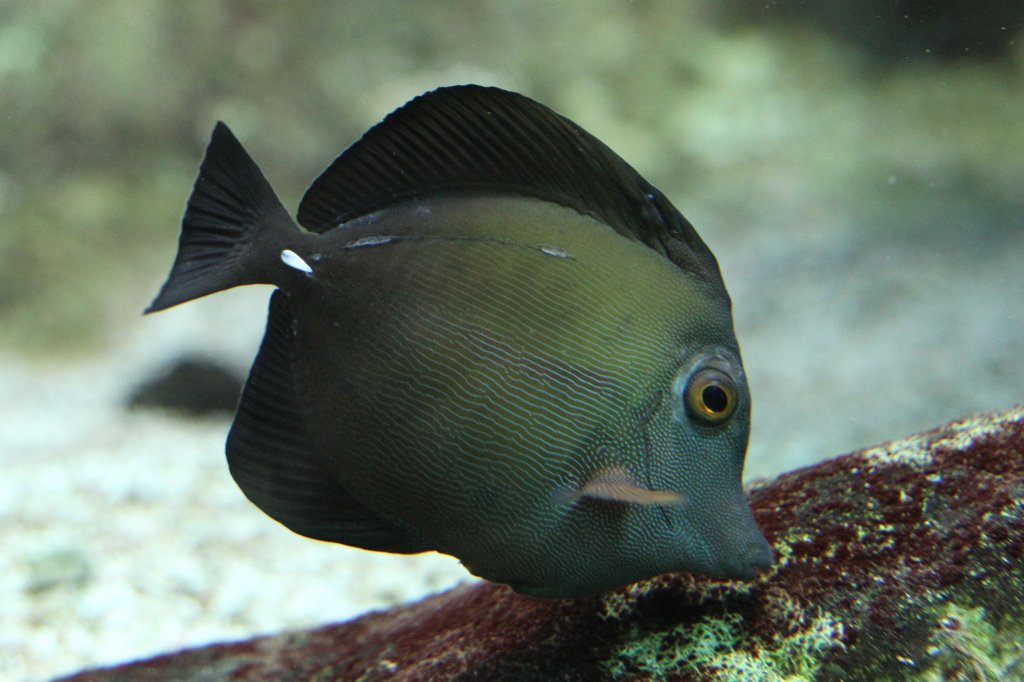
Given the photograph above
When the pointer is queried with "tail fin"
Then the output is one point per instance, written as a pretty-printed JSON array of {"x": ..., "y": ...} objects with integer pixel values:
[{"x": 233, "y": 230}]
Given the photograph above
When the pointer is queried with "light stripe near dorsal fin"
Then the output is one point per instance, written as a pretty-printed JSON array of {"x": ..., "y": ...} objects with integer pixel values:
[{"x": 478, "y": 139}]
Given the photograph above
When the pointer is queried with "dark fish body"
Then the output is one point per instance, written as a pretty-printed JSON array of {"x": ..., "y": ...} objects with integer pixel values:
[{"x": 493, "y": 340}]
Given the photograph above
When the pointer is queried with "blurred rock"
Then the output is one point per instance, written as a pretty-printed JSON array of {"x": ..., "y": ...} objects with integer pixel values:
[
  {"x": 63, "y": 567},
  {"x": 896, "y": 562},
  {"x": 895, "y": 31},
  {"x": 191, "y": 386}
]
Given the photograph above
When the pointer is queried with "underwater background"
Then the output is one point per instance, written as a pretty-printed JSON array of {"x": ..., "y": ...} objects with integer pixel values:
[{"x": 857, "y": 169}]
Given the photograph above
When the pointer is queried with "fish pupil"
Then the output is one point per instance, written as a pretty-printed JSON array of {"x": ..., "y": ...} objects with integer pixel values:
[{"x": 715, "y": 398}]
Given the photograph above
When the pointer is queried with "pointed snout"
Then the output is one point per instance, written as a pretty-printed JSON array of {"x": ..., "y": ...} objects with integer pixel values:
[
  {"x": 739, "y": 548},
  {"x": 753, "y": 554}
]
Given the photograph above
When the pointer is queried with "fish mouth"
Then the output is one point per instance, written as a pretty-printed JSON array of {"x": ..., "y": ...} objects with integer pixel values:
[
  {"x": 741, "y": 557},
  {"x": 752, "y": 559}
]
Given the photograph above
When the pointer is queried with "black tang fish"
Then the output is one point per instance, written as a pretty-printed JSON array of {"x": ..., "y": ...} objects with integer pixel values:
[{"x": 492, "y": 339}]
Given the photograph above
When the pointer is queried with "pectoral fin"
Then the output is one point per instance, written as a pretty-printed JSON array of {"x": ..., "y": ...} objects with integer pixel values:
[{"x": 617, "y": 484}]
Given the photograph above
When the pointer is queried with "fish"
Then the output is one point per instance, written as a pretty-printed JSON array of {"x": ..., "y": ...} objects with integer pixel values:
[{"x": 490, "y": 338}]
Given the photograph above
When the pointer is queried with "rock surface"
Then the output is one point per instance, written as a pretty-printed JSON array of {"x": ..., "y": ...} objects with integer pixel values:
[{"x": 896, "y": 562}]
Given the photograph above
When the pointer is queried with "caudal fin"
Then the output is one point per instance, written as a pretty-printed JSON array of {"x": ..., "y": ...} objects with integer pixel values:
[{"x": 233, "y": 230}]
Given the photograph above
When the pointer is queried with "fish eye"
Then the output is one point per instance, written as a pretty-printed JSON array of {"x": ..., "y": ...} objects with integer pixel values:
[{"x": 711, "y": 395}]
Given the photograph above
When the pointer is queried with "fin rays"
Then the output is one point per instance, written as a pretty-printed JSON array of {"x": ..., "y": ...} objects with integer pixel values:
[
  {"x": 217, "y": 249},
  {"x": 477, "y": 139},
  {"x": 273, "y": 458}
]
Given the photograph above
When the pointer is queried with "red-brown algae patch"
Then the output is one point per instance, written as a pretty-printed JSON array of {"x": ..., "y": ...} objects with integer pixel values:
[
  {"x": 896, "y": 563},
  {"x": 911, "y": 531}
]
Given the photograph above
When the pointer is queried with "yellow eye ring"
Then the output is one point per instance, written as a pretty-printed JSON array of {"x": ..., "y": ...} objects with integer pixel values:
[{"x": 711, "y": 396}]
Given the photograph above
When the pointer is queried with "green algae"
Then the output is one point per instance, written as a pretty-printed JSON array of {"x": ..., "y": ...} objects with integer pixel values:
[
  {"x": 967, "y": 645},
  {"x": 720, "y": 647}
]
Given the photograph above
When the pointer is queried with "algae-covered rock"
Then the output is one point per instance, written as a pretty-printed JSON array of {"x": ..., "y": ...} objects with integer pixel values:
[{"x": 900, "y": 562}]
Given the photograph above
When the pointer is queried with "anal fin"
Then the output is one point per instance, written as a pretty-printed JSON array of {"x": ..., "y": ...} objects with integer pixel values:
[{"x": 272, "y": 457}]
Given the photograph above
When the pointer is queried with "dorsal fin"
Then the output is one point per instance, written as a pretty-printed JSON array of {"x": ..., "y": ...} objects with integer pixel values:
[
  {"x": 272, "y": 457},
  {"x": 470, "y": 138}
]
